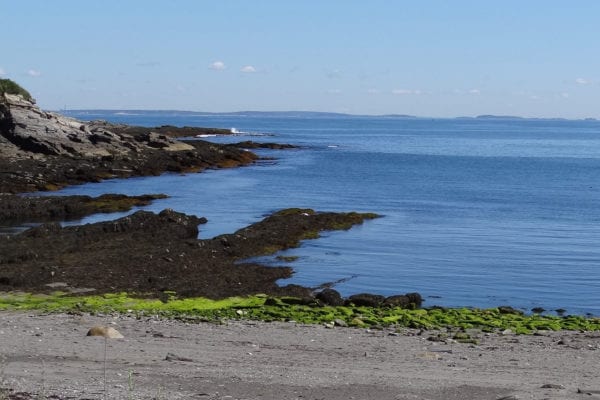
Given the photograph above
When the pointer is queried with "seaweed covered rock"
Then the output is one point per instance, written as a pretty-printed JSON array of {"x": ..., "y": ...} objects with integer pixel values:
[
  {"x": 330, "y": 297},
  {"x": 366, "y": 300},
  {"x": 409, "y": 300},
  {"x": 16, "y": 209},
  {"x": 148, "y": 253}
]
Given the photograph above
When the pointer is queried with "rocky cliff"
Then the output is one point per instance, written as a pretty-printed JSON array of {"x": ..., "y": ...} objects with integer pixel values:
[
  {"x": 26, "y": 130},
  {"x": 41, "y": 150}
]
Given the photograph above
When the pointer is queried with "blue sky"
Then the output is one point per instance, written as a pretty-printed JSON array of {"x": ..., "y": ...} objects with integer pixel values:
[{"x": 427, "y": 58}]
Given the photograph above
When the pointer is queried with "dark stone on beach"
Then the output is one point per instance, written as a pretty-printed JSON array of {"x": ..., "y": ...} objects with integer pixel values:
[
  {"x": 397, "y": 301},
  {"x": 415, "y": 298},
  {"x": 537, "y": 310},
  {"x": 509, "y": 310},
  {"x": 409, "y": 300},
  {"x": 330, "y": 297},
  {"x": 366, "y": 300}
]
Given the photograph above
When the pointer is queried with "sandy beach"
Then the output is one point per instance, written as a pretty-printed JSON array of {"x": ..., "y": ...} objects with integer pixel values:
[{"x": 51, "y": 355}]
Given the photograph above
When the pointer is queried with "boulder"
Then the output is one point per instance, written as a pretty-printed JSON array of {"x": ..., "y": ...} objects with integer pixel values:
[
  {"x": 366, "y": 300},
  {"x": 408, "y": 300},
  {"x": 330, "y": 297}
]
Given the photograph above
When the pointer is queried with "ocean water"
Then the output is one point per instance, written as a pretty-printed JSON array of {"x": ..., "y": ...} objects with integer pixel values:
[{"x": 476, "y": 212}]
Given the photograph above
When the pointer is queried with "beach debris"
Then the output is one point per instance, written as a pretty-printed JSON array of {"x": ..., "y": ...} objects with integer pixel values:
[
  {"x": 107, "y": 332},
  {"x": 511, "y": 397}
]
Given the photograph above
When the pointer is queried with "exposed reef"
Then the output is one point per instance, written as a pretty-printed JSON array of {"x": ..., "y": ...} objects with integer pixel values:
[
  {"x": 145, "y": 253},
  {"x": 16, "y": 209},
  {"x": 150, "y": 254}
]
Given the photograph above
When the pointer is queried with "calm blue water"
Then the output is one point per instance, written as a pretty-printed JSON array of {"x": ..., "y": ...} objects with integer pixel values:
[{"x": 476, "y": 212}]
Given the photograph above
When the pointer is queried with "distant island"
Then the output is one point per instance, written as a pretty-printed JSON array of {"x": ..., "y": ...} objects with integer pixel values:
[{"x": 91, "y": 113}]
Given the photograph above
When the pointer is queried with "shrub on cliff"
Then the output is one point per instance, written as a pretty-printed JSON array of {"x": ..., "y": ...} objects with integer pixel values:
[{"x": 11, "y": 87}]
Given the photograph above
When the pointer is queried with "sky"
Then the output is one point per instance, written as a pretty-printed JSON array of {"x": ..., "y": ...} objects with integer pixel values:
[{"x": 425, "y": 58}]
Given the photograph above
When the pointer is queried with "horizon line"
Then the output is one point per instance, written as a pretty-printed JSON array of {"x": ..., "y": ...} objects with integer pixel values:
[{"x": 389, "y": 115}]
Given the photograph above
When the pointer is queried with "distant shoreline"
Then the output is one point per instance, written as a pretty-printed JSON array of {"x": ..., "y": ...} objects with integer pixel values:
[{"x": 307, "y": 114}]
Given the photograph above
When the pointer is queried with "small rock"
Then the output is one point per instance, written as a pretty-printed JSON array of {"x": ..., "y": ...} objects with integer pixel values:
[
  {"x": 507, "y": 332},
  {"x": 340, "y": 322},
  {"x": 511, "y": 397},
  {"x": 552, "y": 386},
  {"x": 329, "y": 325},
  {"x": 107, "y": 332}
]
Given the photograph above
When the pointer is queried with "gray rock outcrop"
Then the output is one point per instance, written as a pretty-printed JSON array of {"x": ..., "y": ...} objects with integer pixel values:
[{"x": 26, "y": 130}]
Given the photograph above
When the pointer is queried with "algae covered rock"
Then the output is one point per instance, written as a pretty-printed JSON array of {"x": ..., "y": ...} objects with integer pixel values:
[
  {"x": 366, "y": 300},
  {"x": 330, "y": 297},
  {"x": 408, "y": 300}
]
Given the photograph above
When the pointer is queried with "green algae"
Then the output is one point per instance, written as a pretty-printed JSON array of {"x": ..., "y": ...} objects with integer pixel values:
[
  {"x": 295, "y": 211},
  {"x": 110, "y": 203},
  {"x": 266, "y": 308},
  {"x": 287, "y": 258}
]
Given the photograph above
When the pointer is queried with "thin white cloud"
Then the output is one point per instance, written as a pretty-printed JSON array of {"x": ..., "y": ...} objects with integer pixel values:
[
  {"x": 373, "y": 91},
  {"x": 217, "y": 66},
  {"x": 582, "y": 81},
  {"x": 564, "y": 95},
  {"x": 334, "y": 74},
  {"x": 248, "y": 69},
  {"x": 34, "y": 73},
  {"x": 407, "y": 92},
  {"x": 148, "y": 64},
  {"x": 334, "y": 91},
  {"x": 474, "y": 91},
  {"x": 2, "y": 72}
]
